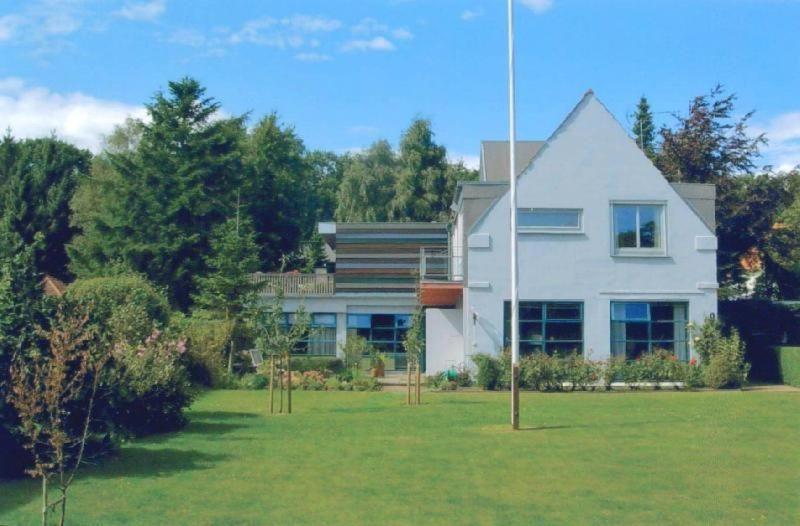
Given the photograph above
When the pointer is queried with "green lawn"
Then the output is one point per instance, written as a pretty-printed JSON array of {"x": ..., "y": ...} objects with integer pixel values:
[{"x": 365, "y": 458}]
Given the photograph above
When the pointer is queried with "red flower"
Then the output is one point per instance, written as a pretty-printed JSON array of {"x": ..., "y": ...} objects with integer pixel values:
[{"x": 693, "y": 361}]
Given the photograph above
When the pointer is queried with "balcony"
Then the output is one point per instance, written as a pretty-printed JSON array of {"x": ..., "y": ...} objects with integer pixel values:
[
  {"x": 441, "y": 278},
  {"x": 294, "y": 285}
]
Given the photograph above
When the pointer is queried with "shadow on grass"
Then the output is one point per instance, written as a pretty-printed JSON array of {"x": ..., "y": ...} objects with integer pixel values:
[
  {"x": 140, "y": 462},
  {"x": 610, "y": 424}
]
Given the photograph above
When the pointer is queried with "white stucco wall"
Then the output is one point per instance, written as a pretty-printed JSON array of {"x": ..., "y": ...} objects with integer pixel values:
[
  {"x": 587, "y": 164},
  {"x": 444, "y": 341}
]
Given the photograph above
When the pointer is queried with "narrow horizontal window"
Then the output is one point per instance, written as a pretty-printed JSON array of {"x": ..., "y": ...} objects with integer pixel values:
[{"x": 550, "y": 220}]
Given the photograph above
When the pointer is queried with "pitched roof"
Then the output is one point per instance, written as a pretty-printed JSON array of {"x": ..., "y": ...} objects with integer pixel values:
[
  {"x": 495, "y": 158},
  {"x": 53, "y": 286}
]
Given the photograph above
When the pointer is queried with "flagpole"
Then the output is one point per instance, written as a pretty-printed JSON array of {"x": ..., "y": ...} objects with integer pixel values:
[{"x": 512, "y": 144}]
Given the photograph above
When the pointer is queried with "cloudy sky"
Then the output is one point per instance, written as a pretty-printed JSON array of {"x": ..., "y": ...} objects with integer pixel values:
[{"x": 347, "y": 72}]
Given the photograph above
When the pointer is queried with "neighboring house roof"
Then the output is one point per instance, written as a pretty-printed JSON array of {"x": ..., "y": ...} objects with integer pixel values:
[
  {"x": 702, "y": 198},
  {"x": 495, "y": 158},
  {"x": 53, "y": 286}
]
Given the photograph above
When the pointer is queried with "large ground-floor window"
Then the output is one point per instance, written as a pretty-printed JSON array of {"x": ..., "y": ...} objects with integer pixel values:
[
  {"x": 321, "y": 337},
  {"x": 638, "y": 327},
  {"x": 384, "y": 332},
  {"x": 549, "y": 327}
]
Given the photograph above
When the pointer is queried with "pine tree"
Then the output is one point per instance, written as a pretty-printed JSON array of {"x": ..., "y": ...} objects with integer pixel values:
[
  {"x": 228, "y": 288},
  {"x": 156, "y": 206},
  {"x": 644, "y": 130}
]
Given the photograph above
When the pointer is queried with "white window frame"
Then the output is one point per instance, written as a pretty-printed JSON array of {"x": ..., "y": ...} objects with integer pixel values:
[
  {"x": 639, "y": 251},
  {"x": 551, "y": 229}
]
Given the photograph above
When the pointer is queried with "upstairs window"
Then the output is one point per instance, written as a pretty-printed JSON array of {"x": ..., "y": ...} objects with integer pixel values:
[
  {"x": 638, "y": 229},
  {"x": 550, "y": 220}
]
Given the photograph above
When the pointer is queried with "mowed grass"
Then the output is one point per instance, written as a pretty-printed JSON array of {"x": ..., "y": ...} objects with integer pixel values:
[{"x": 366, "y": 458}]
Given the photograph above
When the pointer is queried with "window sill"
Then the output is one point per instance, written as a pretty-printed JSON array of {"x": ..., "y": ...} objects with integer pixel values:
[
  {"x": 650, "y": 255},
  {"x": 549, "y": 231}
]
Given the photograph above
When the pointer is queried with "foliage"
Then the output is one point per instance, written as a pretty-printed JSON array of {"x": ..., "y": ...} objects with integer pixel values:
[
  {"x": 414, "y": 342},
  {"x": 124, "y": 307},
  {"x": 206, "y": 339},
  {"x": 367, "y": 186},
  {"x": 273, "y": 336},
  {"x": 327, "y": 170},
  {"x": 488, "y": 376},
  {"x": 253, "y": 381},
  {"x": 150, "y": 384},
  {"x": 782, "y": 250},
  {"x": 542, "y": 372},
  {"x": 722, "y": 356},
  {"x": 46, "y": 391},
  {"x": 789, "y": 363},
  {"x": 38, "y": 178},
  {"x": 279, "y": 189},
  {"x": 354, "y": 350},
  {"x": 22, "y": 309},
  {"x": 322, "y": 364},
  {"x": 644, "y": 130},
  {"x": 155, "y": 207}
]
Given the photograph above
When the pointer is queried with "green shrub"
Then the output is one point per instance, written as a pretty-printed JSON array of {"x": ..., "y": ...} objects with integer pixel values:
[
  {"x": 488, "y": 377},
  {"x": 206, "y": 339},
  {"x": 253, "y": 381},
  {"x": 722, "y": 357},
  {"x": 125, "y": 307},
  {"x": 333, "y": 384},
  {"x": 463, "y": 378},
  {"x": 323, "y": 364},
  {"x": 366, "y": 383},
  {"x": 789, "y": 365}
]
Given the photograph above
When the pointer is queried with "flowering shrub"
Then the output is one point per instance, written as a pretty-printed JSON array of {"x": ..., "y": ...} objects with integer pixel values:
[
  {"x": 148, "y": 387},
  {"x": 722, "y": 357}
]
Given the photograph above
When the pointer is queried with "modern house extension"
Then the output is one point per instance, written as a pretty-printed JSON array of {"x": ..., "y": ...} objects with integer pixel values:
[{"x": 613, "y": 259}]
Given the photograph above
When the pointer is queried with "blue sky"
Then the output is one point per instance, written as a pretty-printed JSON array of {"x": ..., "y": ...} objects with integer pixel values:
[{"x": 346, "y": 73}]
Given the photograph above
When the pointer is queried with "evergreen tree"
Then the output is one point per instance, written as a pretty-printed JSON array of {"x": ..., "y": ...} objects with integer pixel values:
[
  {"x": 228, "y": 288},
  {"x": 279, "y": 189},
  {"x": 38, "y": 178},
  {"x": 644, "y": 130},
  {"x": 155, "y": 206},
  {"x": 327, "y": 170},
  {"x": 367, "y": 186}
]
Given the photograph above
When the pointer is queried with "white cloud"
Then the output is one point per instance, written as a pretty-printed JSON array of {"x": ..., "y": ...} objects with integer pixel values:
[
  {"x": 32, "y": 111},
  {"x": 143, "y": 11},
  {"x": 471, "y": 14},
  {"x": 9, "y": 24},
  {"x": 311, "y": 24},
  {"x": 402, "y": 33},
  {"x": 284, "y": 33},
  {"x": 373, "y": 44},
  {"x": 783, "y": 133},
  {"x": 472, "y": 162},
  {"x": 537, "y": 6},
  {"x": 369, "y": 26},
  {"x": 312, "y": 57}
]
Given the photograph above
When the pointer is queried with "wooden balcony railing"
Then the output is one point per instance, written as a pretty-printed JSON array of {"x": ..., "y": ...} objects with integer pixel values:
[{"x": 294, "y": 285}]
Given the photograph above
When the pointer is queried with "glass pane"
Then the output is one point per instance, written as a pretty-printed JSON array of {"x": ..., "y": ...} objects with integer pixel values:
[
  {"x": 635, "y": 349},
  {"x": 403, "y": 321},
  {"x": 563, "y": 349},
  {"x": 529, "y": 311},
  {"x": 383, "y": 320},
  {"x": 617, "y": 348},
  {"x": 636, "y": 331},
  {"x": 358, "y": 321},
  {"x": 401, "y": 334},
  {"x": 636, "y": 311},
  {"x": 662, "y": 311},
  {"x": 530, "y": 330},
  {"x": 325, "y": 320},
  {"x": 529, "y": 348},
  {"x": 383, "y": 335},
  {"x": 650, "y": 226},
  {"x": 625, "y": 226},
  {"x": 564, "y": 331},
  {"x": 364, "y": 333},
  {"x": 663, "y": 346},
  {"x": 547, "y": 218},
  {"x": 663, "y": 331},
  {"x": 563, "y": 311},
  {"x": 383, "y": 346}
]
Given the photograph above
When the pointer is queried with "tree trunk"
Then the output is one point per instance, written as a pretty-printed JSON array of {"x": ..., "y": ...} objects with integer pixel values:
[
  {"x": 63, "y": 506},
  {"x": 271, "y": 383},
  {"x": 44, "y": 500},
  {"x": 408, "y": 382},
  {"x": 280, "y": 384},
  {"x": 230, "y": 355},
  {"x": 419, "y": 385},
  {"x": 289, "y": 383}
]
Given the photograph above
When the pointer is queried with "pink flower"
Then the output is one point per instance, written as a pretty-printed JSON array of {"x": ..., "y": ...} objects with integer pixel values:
[
  {"x": 693, "y": 361},
  {"x": 181, "y": 346}
]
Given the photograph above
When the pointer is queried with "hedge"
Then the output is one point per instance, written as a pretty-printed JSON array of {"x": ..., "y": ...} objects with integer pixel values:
[{"x": 788, "y": 359}]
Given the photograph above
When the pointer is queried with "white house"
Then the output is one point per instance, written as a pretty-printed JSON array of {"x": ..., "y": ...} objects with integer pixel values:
[{"x": 614, "y": 260}]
